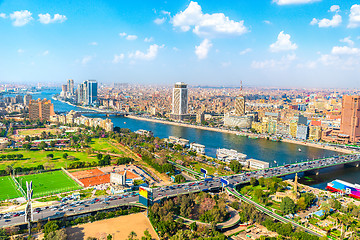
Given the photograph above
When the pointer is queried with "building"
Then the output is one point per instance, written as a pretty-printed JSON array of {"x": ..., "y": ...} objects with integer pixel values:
[
  {"x": 87, "y": 92},
  {"x": 200, "y": 117},
  {"x": 257, "y": 164},
  {"x": 302, "y": 132},
  {"x": 227, "y": 155},
  {"x": 350, "y": 117},
  {"x": 315, "y": 131},
  {"x": 179, "y": 101},
  {"x": 198, "y": 148},
  {"x": 243, "y": 122},
  {"x": 240, "y": 103},
  {"x": 41, "y": 109},
  {"x": 27, "y": 99},
  {"x": 80, "y": 94},
  {"x": 63, "y": 90},
  {"x": 70, "y": 86}
]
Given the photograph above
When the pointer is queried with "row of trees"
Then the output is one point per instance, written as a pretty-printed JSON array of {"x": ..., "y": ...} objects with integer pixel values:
[{"x": 11, "y": 157}]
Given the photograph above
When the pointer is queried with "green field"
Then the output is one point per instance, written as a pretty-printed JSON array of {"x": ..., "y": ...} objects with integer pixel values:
[
  {"x": 35, "y": 158},
  {"x": 49, "y": 183},
  {"x": 8, "y": 189},
  {"x": 104, "y": 145}
]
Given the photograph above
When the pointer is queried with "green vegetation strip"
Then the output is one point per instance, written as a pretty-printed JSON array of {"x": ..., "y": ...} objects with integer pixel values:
[{"x": 8, "y": 189}]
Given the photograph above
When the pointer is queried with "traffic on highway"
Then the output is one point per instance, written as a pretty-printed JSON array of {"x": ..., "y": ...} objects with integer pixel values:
[{"x": 72, "y": 207}]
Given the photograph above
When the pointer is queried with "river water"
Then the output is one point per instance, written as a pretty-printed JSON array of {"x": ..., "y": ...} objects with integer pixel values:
[{"x": 276, "y": 153}]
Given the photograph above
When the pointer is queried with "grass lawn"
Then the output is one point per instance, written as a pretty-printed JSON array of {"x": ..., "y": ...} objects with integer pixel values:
[
  {"x": 49, "y": 183},
  {"x": 36, "y": 131},
  {"x": 211, "y": 170},
  {"x": 104, "y": 145},
  {"x": 35, "y": 158},
  {"x": 8, "y": 189}
]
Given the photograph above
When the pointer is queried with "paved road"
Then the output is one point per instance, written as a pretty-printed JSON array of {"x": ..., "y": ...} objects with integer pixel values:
[{"x": 169, "y": 191}]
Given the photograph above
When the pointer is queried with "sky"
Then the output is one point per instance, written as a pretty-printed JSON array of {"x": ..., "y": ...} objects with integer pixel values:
[{"x": 270, "y": 43}]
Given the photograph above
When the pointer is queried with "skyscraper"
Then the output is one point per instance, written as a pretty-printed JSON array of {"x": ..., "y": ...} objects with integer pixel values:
[
  {"x": 350, "y": 117},
  {"x": 87, "y": 92},
  {"x": 70, "y": 86},
  {"x": 240, "y": 104},
  {"x": 179, "y": 101},
  {"x": 27, "y": 99},
  {"x": 41, "y": 109}
]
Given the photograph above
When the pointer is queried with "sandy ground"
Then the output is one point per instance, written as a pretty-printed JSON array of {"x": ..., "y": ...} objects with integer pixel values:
[{"x": 119, "y": 227}]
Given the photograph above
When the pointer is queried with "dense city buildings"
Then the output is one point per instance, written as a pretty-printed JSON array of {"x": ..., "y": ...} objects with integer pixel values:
[
  {"x": 41, "y": 109},
  {"x": 350, "y": 117}
]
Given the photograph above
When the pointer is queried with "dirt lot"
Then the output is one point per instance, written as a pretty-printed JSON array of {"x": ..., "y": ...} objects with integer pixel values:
[{"x": 119, "y": 227}]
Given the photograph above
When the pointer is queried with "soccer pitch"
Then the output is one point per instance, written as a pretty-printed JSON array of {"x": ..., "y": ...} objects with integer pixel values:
[
  {"x": 49, "y": 183},
  {"x": 8, "y": 189}
]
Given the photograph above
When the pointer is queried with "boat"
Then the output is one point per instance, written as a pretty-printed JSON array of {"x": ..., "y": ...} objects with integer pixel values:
[
  {"x": 353, "y": 190},
  {"x": 124, "y": 122},
  {"x": 299, "y": 149},
  {"x": 253, "y": 137}
]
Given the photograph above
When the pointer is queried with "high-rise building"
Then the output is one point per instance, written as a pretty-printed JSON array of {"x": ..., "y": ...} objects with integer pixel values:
[
  {"x": 70, "y": 86},
  {"x": 64, "y": 88},
  {"x": 90, "y": 91},
  {"x": 179, "y": 101},
  {"x": 27, "y": 99},
  {"x": 41, "y": 109},
  {"x": 350, "y": 117},
  {"x": 240, "y": 104},
  {"x": 87, "y": 92}
]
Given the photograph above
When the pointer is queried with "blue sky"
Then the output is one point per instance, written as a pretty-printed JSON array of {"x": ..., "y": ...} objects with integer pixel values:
[{"x": 285, "y": 43}]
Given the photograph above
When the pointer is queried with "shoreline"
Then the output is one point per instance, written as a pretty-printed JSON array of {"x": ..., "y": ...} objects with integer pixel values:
[{"x": 331, "y": 148}]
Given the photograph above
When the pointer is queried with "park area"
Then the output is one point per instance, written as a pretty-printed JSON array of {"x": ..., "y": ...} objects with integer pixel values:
[
  {"x": 49, "y": 183},
  {"x": 35, "y": 131},
  {"x": 8, "y": 189},
  {"x": 104, "y": 145},
  {"x": 119, "y": 228},
  {"x": 40, "y": 157}
]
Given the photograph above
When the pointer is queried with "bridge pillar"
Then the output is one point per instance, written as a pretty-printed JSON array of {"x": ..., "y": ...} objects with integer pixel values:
[
  {"x": 354, "y": 164},
  {"x": 312, "y": 172}
]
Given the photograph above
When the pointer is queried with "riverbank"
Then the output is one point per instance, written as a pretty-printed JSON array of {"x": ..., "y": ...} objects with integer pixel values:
[{"x": 331, "y": 148}]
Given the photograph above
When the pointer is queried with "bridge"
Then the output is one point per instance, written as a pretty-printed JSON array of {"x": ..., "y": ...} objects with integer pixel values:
[{"x": 105, "y": 112}]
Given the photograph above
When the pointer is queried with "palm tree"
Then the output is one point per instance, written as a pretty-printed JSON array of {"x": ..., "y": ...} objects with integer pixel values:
[{"x": 132, "y": 235}]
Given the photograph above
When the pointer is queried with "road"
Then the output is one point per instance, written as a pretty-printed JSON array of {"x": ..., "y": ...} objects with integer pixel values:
[{"x": 203, "y": 185}]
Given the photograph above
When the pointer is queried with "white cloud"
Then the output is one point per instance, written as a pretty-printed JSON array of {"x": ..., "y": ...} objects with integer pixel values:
[
  {"x": 334, "y": 8},
  {"x": 93, "y": 43},
  {"x": 354, "y": 17},
  {"x": 202, "y": 50},
  {"x": 3, "y": 15},
  {"x": 283, "y": 43},
  {"x": 21, "y": 18},
  {"x": 208, "y": 25},
  {"x": 348, "y": 41},
  {"x": 45, "y": 53},
  {"x": 118, "y": 58},
  {"x": 267, "y": 22},
  {"x": 46, "y": 18},
  {"x": 334, "y": 22},
  {"x": 165, "y": 12},
  {"x": 131, "y": 37},
  {"x": 150, "y": 39},
  {"x": 247, "y": 50},
  {"x": 345, "y": 50},
  {"x": 20, "y": 50},
  {"x": 149, "y": 55},
  {"x": 176, "y": 49},
  {"x": 86, "y": 59},
  {"x": 159, "y": 21},
  {"x": 288, "y": 2},
  {"x": 123, "y": 34},
  {"x": 283, "y": 63}
]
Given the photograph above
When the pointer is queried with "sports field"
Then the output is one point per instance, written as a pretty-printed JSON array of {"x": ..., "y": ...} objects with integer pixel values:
[
  {"x": 104, "y": 145},
  {"x": 49, "y": 183},
  {"x": 8, "y": 189}
]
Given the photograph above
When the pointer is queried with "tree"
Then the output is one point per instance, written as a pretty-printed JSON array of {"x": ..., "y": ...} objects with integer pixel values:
[
  {"x": 180, "y": 178},
  {"x": 65, "y": 155},
  {"x": 287, "y": 206},
  {"x": 109, "y": 237},
  {"x": 235, "y": 166},
  {"x": 253, "y": 181},
  {"x": 147, "y": 235},
  {"x": 49, "y": 227},
  {"x": 50, "y": 155},
  {"x": 132, "y": 235},
  {"x": 57, "y": 235},
  {"x": 193, "y": 226},
  {"x": 52, "y": 144},
  {"x": 99, "y": 156},
  {"x": 42, "y": 145},
  {"x": 27, "y": 138}
]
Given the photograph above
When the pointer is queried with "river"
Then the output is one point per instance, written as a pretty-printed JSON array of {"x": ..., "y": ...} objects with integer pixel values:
[{"x": 276, "y": 153}]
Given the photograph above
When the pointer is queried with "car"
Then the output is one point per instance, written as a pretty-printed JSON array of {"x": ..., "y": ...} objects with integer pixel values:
[{"x": 80, "y": 209}]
